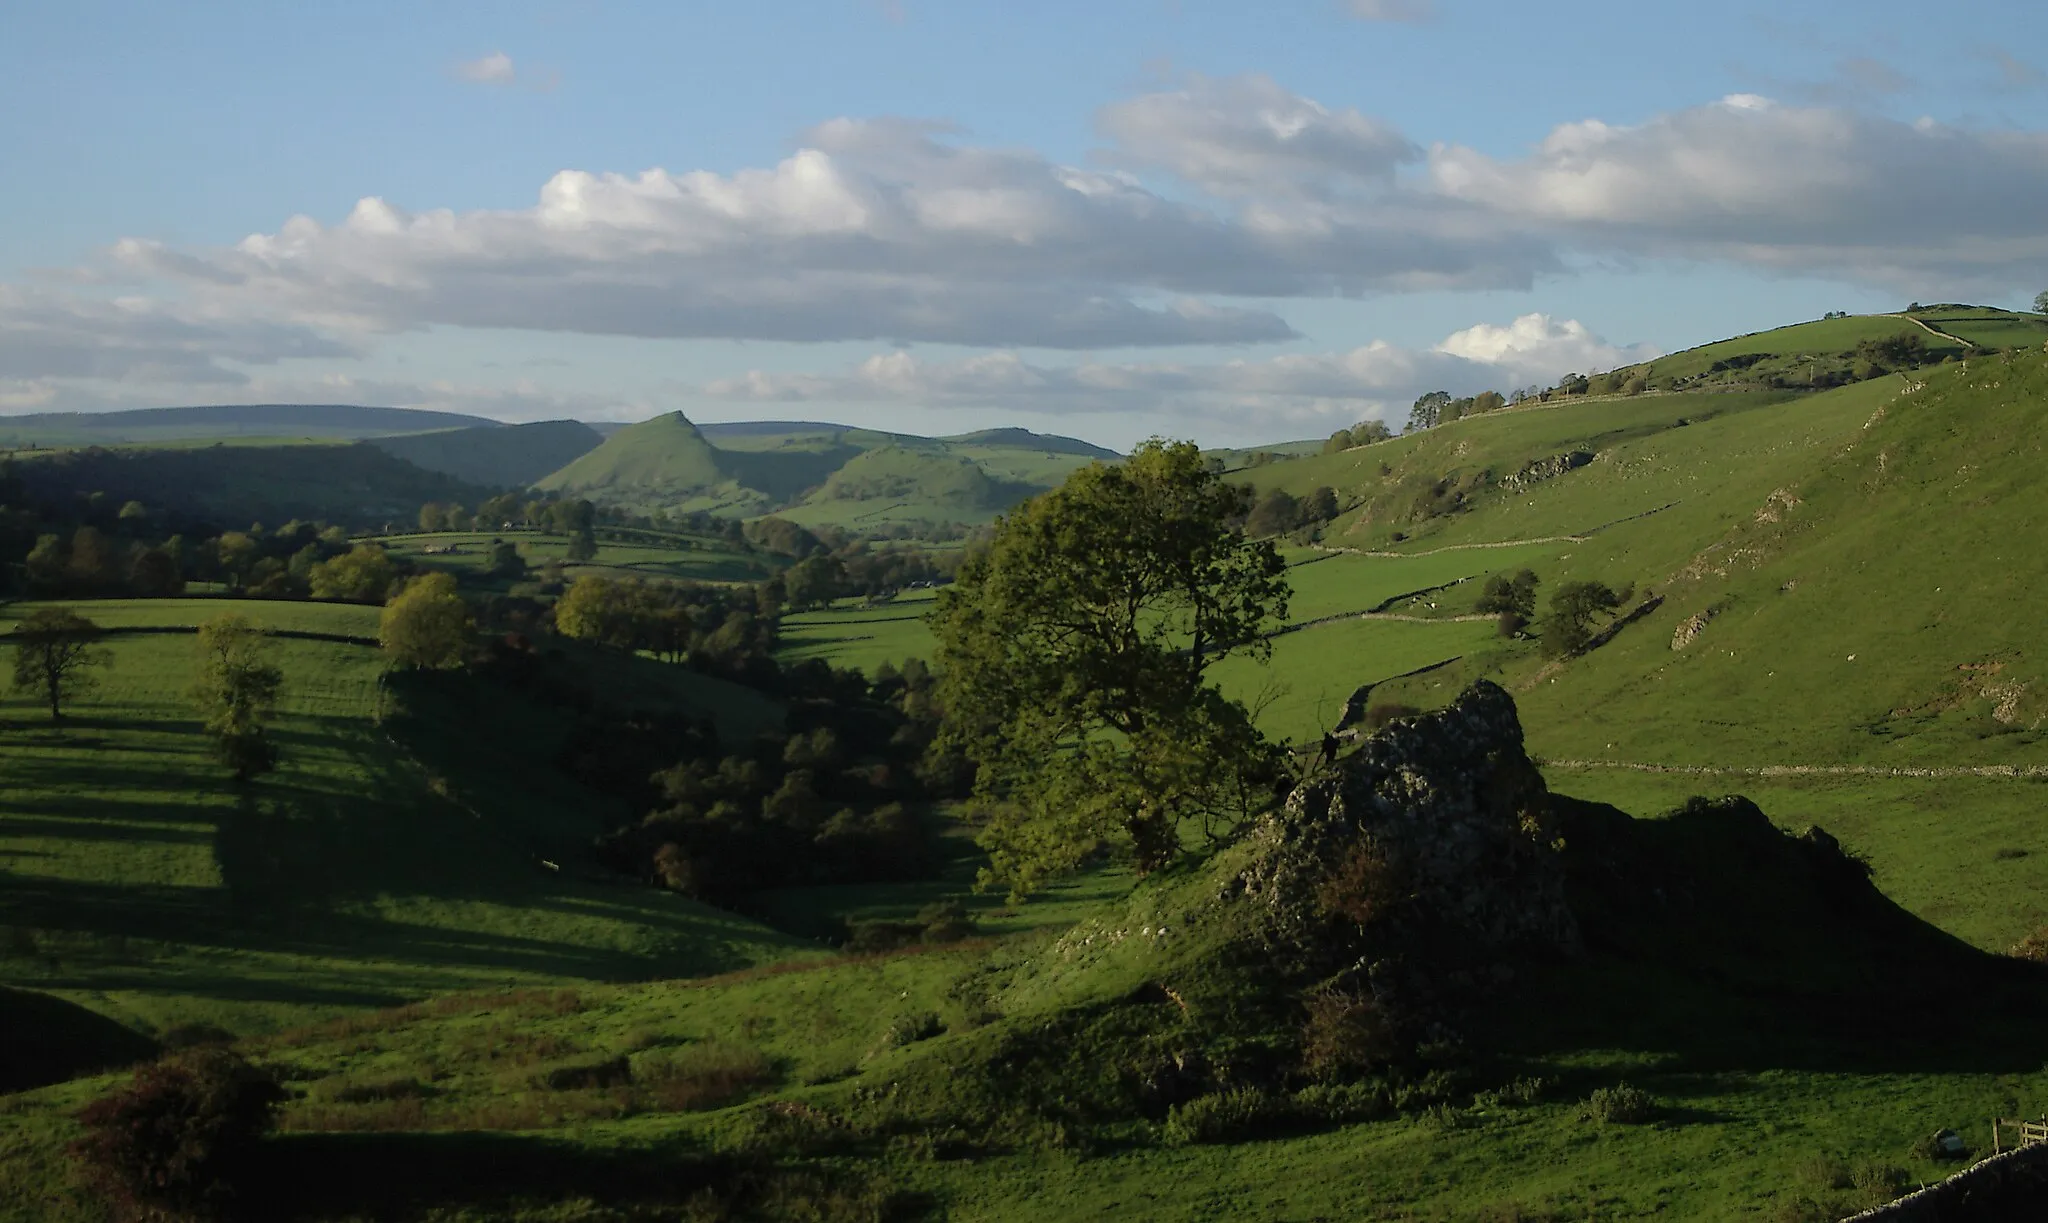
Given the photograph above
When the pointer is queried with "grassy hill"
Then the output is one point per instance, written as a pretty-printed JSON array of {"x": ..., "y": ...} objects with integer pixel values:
[
  {"x": 393, "y": 856},
  {"x": 355, "y": 484},
  {"x": 496, "y": 456},
  {"x": 819, "y": 474},
  {"x": 331, "y": 422}
]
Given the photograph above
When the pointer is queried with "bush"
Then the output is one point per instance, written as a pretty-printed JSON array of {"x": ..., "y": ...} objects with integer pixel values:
[
  {"x": 1877, "y": 1184},
  {"x": 1345, "y": 1033},
  {"x": 1224, "y": 1116},
  {"x": 710, "y": 1075},
  {"x": 1342, "y": 1103},
  {"x": 1621, "y": 1104},
  {"x": 607, "y": 1073},
  {"x": 173, "y": 1141}
]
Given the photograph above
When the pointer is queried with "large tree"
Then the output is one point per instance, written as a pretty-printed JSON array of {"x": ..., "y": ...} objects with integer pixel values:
[
  {"x": 55, "y": 651},
  {"x": 1074, "y": 653},
  {"x": 237, "y": 688},
  {"x": 427, "y": 624}
]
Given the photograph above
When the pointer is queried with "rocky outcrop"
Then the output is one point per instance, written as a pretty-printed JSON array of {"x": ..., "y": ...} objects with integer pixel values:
[
  {"x": 1445, "y": 815},
  {"x": 1538, "y": 470}
]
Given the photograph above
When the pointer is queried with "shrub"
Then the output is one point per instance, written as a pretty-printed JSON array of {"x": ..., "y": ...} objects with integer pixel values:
[
  {"x": 1224, "y": 1116},
  {"x": 175, "y": 1138},
  {"x": 706, "y": 1076},
  {"x": 1825, "y": 1172},
  {"x": 1342, "y": 1103},
  {"x": 581, "y": 1075},
  {"x": 1345, "y": 1033},
  {"x": 1621, "y": 1104},
  {"x": 1877, "y": 1184},
  {"x": 1363, "y": 886}
]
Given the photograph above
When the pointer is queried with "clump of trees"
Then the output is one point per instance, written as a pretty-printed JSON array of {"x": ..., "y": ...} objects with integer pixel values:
[
  {"x": 1512, "y": 599},
  {"x": 1576, "y": 610},
  {"x": 56, "y": 652},
  {"x": 1279, "y": 511},
  {"x": 1073, "y": 656},
  {"x": 1364, "y": 433},
  {"x": 427, "y": 624},
  {"x": 1439, "y": 408},
  {"x": 716, "y": 629},
  {"x": 237, "y": 689}
]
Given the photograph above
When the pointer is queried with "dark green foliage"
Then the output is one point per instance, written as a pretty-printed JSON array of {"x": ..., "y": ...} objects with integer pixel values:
[
  {"x": 55, "y": 653},
  {"x": 1073, "y": 653},
  {"x": 1504, "y": 594},
  {"x": 1902, "y": 351},
  {"x": 1621, "y": 1104},
  {"x": 1575, "y": 609},
  {"x": 177, "y": 1138},
  {"x": 1276, "y": 513}
]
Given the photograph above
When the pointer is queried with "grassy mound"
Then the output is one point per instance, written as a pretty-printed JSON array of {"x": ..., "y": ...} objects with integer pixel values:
[{"x": 662, "y": 462}]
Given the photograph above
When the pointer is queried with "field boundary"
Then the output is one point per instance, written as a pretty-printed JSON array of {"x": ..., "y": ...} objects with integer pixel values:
[
  {"x": 2015, "y": 772},
  {"x": 292, "y": 634}
]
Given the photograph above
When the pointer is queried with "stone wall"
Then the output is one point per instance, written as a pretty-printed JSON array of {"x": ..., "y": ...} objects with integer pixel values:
[{"x": 2013, "y": 1186}]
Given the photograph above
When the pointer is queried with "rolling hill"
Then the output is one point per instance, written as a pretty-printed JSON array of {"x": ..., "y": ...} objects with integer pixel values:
[
  {"x": 660, "y": 463},
  {"x": 494, "y": 455},
  {"x": 141, "y": 426}
]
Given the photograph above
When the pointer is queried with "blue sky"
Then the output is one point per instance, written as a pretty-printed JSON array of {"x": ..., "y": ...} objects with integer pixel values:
[{"x": 1238, "y": 222}]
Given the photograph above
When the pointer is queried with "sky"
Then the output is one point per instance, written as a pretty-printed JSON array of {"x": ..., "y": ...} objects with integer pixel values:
[{"x": 1236, "y": 222}]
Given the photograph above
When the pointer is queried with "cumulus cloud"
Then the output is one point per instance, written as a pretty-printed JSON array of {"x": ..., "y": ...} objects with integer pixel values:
[
  {"x": 1410, "y": 11},
  {"x": 1372, "y": 379},
  {"x": 877, "y": 230},
  {"x": 1805, "y": 190},
  {"x": 493, "y": 69}
]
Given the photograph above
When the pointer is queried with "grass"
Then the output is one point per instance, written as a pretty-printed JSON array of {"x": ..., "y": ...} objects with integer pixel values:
[
  {"x": 687, "y": 558},
  {"x": 369, "y": 870},
  {"x": 853, "y": 634},
  {"x": 345, "y": 619}
]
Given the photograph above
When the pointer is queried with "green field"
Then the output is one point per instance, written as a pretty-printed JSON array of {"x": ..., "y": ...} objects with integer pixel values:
[
  {"x": 703, "y": 560},
  {"x": 141, "y": 883}
]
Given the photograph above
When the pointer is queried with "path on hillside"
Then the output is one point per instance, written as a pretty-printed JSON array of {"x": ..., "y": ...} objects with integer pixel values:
[{"x": 2016, "y": 772}]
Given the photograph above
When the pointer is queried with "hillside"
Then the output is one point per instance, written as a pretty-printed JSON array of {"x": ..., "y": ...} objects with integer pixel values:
[
  {"x": 147, "y": 425},
  {"x": 660, "y": 463},
  {"x": 819, "y": 474},
  {"x": 496, "y": 456},
  {"x": 354, "y": 484}
]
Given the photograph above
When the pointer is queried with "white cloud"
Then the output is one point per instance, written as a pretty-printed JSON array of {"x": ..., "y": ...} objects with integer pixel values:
[
  {"x": 46, "y": 336},
  {"x": 1801, "y": 190},
  {"x": 1411, "y": 11},
  {"x": 1247, "y": 136},
  {"x": 1373, "y": 379},
  {"x": 493, "y": 69},
  {"x": 874, "y": 230}
]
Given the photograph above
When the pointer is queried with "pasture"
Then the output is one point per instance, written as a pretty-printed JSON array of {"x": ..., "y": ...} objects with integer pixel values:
[{"x": 679, "y": 558}]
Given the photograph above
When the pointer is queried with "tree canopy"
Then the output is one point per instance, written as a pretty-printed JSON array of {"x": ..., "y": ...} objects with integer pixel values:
[
  {"x": 1073, "y": 653},
  {"x": 237, "y": 688},
  {"x": 427, "y": 624},
  {"x": 55, "y": 652}
]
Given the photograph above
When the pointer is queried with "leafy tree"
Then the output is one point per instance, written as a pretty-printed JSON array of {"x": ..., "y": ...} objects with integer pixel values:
[
  {"x": 433, "y": 516},
  {"x": 1574, "y": 609},
  {"x": 2041, "y": 302},
  {"x": 1515, "y": 594},
  {"x": 46, "y": 563},
  {"x": 582, "y": 545},
  {"x": 600, "y": 610},
  {"x": 814, "y": 581},
  {"x": 1340, "y": 440},
  {"x": 156, "y": 573},
  {"x": 427, "y": 624},
  {"x": 1428, "y": 409},
  {"x": 55, "y": 651},
  {"x": 237, "y": 688},
  {"x": 133, "y": 516},
  {"x": 1320, "y": 505},
  {"x": 363, "y": 574},
  {"x": 506, "y": 562},
  {"x": 1367, "y": 432},
  {"x": 1072, "y": 656},
  {"x": 1276, "y": 513}
]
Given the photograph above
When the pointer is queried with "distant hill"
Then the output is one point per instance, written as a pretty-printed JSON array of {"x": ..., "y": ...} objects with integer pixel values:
[
  {"x": 661, "y": 463},
  {"x": 820, "y": 473},
  {"x": 1025, "y": 439},
  {"x": 508, "y": 456},
  {"x": 1832, "y": 352},
  {"x": 338, "y": 421}
]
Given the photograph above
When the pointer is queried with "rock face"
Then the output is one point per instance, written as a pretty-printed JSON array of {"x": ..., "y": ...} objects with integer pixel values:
[
  {"x": 1444, "y": 821},
  {"x": 1538, "y": 470}
]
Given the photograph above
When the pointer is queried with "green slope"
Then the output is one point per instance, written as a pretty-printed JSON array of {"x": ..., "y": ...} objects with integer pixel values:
[
  {"x": 496, "y": 456},
  {"x": 155, "y": 425},
  {"x": 661, "y": 463}
]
